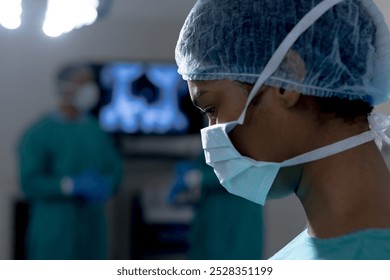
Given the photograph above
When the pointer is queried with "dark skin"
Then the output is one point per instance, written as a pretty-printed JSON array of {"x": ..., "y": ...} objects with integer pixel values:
[{"x": 342, "y": 193}]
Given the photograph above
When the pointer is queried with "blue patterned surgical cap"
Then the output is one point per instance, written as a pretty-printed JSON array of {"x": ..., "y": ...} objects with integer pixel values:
[{"x": 345, "y": 53}]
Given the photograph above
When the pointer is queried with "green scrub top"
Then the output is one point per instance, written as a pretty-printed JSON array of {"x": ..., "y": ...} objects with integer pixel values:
[
  {"x": 369, "y": 244},
  {"x": 60, "y": 226},
  {"x": 225, "y": 227}
]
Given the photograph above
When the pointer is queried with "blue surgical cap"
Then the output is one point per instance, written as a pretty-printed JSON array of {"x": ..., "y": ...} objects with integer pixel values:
[{"x": 345, "y": 53}]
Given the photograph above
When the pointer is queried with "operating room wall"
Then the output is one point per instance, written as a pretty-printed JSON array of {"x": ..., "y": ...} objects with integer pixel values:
[{"x": 28, "y": 60}]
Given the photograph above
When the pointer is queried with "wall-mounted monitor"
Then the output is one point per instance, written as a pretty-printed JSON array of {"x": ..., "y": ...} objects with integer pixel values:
[{"x": 139, "y": 98}]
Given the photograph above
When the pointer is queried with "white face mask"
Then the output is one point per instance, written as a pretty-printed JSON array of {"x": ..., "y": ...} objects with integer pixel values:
[
  {"x": 86, "y": 97},
  {"x": 253, "y": 179}
]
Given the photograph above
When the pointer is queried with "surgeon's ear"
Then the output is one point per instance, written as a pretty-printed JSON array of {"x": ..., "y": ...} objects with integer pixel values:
[
  {"x": 293, "y": 66},
  {"x": 288, "y": 98}
]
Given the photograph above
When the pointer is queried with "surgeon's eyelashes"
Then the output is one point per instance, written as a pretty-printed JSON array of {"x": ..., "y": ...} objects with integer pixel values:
[{"x": 209, "y": 112}]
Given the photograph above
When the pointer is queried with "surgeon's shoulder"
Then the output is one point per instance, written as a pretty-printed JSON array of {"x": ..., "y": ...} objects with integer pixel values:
[
  {"x": 95, "y": 127},
  {"x": 37, "y": 131},
  {"x": 40, "y": 125}
]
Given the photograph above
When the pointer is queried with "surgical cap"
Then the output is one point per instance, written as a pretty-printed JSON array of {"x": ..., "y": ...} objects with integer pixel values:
[
  {"x": 69, "y": 72},
  {"x": 65, "y": 78},
  {"x": 345, "y": 53}
]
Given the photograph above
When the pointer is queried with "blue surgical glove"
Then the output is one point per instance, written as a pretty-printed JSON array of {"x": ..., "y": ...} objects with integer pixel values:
[
  {"x": 180, "y": 184},
  {"x": 90, "y": 185}
]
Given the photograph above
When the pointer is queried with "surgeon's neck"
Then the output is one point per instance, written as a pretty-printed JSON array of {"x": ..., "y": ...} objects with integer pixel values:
[
  {"x": 346, "y": 192},
  {"x": 70, "y": 112}
]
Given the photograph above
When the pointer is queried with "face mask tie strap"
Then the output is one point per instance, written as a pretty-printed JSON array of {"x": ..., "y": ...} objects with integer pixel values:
[
  {"x": 378, "y": 122},
  {"x": 331, "y": 149}
]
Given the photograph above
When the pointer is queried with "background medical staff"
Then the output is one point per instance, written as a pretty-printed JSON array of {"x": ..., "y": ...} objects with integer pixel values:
[{"x": 69, "y": 168}]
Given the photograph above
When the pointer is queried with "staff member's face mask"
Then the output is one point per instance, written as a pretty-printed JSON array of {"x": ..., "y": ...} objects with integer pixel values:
[
  {"x": 83, "y": 97},
  {"x": 253, "y": 179},
  {"x": 86, "y": 97}
]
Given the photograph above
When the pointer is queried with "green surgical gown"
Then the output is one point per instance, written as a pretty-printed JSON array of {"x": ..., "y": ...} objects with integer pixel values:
[
  {"x": 368, "y": 244},
  {"x": 61, "y": 226},
  {"x": 225, "y": 227}
]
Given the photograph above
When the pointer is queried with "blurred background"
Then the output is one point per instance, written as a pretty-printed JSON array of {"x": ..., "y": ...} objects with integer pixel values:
[{"x": 143, "y": 106}]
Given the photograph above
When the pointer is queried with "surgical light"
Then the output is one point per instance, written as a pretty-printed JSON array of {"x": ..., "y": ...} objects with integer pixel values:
[
  {"x": 10, "y": 13},
  {"x": 63, "y": 16}
]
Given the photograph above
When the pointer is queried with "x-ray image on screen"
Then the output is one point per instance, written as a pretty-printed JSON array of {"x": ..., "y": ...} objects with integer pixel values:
[{"x": 146, "y": 99}]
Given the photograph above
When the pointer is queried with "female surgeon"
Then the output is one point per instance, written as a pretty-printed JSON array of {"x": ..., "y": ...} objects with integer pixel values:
[{"x": 289, "y": 88}]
